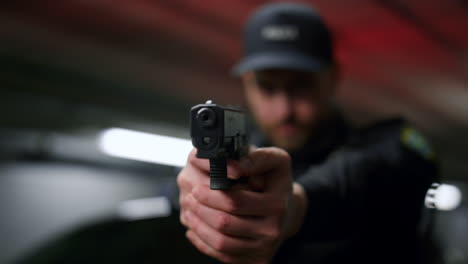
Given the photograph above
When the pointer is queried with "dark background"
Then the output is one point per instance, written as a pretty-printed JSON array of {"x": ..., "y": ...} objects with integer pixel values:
[{"x": 70, "y": 68}]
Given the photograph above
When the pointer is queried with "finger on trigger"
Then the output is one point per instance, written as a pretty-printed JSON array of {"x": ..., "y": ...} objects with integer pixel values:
[{"x": 202, "y": 164}]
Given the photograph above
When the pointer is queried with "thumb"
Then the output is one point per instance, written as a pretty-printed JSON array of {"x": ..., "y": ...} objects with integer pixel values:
[{"x": 267, "y": 167}]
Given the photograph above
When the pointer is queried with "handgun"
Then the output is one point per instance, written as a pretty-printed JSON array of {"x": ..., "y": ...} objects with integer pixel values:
[{"x": 219, "y": 133}]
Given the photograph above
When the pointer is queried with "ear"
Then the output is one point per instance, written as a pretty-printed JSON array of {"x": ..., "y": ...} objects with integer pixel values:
[
  {"x": 248, "y": 81},
  {"x": 247, "y": 78}
]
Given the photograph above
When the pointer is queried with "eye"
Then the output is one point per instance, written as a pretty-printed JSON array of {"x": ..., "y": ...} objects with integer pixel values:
[
  {"x": 266, "y": 87},
  {"x": 303, "y": 86}
]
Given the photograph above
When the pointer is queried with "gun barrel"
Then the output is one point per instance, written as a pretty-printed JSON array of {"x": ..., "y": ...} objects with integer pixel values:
[{"x": 218, "y": 133}]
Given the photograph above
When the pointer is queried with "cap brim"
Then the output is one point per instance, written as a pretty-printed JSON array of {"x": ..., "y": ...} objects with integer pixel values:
[{"x": 278, "y": 60}]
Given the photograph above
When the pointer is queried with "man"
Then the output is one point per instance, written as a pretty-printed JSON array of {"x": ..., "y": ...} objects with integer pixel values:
[{"x": 325, "y": 193}]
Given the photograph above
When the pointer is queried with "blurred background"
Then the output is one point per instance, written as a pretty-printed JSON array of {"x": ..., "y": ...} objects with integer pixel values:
[{"x": 71, "y": 69}]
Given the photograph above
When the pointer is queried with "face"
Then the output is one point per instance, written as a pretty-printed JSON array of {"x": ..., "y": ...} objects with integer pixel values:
[{"x": 288, "y": 105}]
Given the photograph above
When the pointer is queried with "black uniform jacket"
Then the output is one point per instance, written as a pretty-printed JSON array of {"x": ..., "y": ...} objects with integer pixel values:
[{"x": 365, "y": 192}]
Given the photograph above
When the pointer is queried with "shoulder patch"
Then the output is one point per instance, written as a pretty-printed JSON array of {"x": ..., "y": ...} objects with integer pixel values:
[{"x": 416, "y": 142}]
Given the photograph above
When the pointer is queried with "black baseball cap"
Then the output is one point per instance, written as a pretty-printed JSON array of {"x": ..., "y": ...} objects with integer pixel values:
[{"x": 285, "y": 36}]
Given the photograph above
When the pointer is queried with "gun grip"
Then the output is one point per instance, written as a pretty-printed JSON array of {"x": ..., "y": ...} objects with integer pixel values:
[{"x": 218, "y": 174}]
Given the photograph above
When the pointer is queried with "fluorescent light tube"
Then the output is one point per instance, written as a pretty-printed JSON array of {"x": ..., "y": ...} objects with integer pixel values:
[
  {"x": 135, "y": 145},
  {"x": 146, "y": 208}
]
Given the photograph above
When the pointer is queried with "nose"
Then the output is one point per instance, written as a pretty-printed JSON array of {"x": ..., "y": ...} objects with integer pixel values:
[{"x": 282, "y": 105}]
